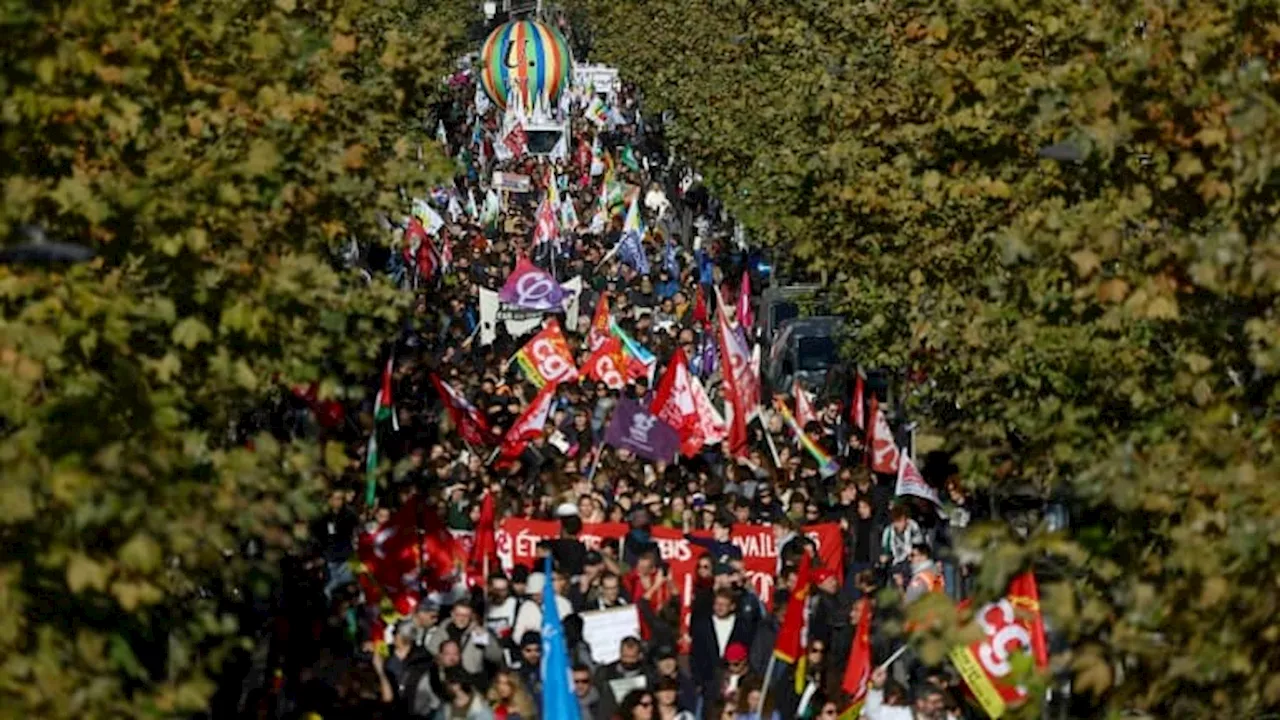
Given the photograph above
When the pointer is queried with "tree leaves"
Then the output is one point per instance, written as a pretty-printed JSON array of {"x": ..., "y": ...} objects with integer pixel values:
[
  {"x": 1046, "y": 211},
  {"x": 200, "y": 155}
]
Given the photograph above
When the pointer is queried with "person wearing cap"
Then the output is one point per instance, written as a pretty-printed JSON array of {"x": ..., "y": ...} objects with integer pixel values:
[
  {"x": 731, "y": 674},
  {"x": 425, "y": 617},
  {"x": 529, "y": 616},
  {"x": 478, "y": 647},
  {"x": 830, "y": 611},
  {"x": 711, "y": 633},
  {"x": 583, "y": 591},
  {"x": 625, "y": 674}
]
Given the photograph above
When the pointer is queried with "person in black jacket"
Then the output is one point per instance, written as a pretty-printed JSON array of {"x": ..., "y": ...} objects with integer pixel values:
[
  {"x": 335, "y": 532},
  {"x": 711, "y": 633}
]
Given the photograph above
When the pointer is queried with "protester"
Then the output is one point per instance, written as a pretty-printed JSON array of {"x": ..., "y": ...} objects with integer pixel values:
[{"x": 599, "y": 432}]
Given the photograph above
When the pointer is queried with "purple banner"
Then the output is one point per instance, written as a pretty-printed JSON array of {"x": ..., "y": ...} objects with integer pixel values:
[
  {"x": 643, "y": 433},
  {"x": 531, "y": 288}
]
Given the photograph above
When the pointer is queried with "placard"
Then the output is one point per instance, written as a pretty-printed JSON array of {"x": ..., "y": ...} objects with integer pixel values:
[
  {"x": 604, "y": 631},
  {"x": 512, "y": 182}
]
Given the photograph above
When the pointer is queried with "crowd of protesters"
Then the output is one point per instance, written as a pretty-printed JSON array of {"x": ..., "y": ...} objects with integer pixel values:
[{"x": 471, "y": 649}]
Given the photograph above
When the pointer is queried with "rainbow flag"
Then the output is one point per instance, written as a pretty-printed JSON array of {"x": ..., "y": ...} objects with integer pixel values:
[
  {"x": 827, "y": 465},
  {"x": 630, "y": 346}
]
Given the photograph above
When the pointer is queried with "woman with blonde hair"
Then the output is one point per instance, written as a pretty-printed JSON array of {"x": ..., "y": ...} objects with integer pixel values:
[{"x": 510, "y": 699}]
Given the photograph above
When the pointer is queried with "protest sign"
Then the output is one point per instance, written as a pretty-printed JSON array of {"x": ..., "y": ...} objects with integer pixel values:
[
  {"x": 604, "y": 631},
  {"x": 512, "y": 182}
]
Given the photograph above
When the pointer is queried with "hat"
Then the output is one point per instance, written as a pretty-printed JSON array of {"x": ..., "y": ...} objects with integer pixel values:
[
  {"x": 568, "y": 509},
  {"x": 531, "y": 637},
  {"x": 736, "y": 652},
  {"x": 822, "y": 575},
  {"x": 535, "y": 584},
  {"x": 429, "y": 605},
  {"x": 723, "y": 568},
  {"x": 664, "y": 652},
  {"x": 405, "y": 631}
]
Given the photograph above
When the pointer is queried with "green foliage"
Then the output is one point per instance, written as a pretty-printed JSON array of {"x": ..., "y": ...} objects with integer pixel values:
[
  {"x": 216, "y": 155},
  {"x": 1105, "y": 326}
]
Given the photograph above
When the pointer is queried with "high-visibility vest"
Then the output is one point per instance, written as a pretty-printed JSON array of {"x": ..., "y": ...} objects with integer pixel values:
[{"x": 933, "y": 581}]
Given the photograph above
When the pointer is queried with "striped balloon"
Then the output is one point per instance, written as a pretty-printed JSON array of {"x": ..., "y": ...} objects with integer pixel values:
[{"x": 529, "y": 56}]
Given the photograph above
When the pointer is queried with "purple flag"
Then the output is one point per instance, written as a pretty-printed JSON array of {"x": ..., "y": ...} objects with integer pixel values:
[
  {"x": 640, "y": 431},
  {"x": 529, "y": 287}
]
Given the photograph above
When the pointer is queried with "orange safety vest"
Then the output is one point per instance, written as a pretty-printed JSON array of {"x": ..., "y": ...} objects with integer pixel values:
[{"x": 933, "y": 581}]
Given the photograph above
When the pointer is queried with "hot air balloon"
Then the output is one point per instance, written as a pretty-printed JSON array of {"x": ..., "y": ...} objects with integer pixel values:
[{"x": 527, "y": 56}]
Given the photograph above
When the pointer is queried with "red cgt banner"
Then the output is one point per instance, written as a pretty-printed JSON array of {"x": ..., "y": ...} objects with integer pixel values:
[{"x": 518, "y": 541}]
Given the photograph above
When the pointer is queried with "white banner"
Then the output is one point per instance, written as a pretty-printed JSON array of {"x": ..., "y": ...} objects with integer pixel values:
[
  {"x": 604, "y": 631},
  {"x": 522, "y": 322}
]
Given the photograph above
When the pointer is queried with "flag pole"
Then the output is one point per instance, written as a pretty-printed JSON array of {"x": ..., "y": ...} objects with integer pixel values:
[
  {"x": 768, "y": 684},
  {"x": 773, "y": 449}
]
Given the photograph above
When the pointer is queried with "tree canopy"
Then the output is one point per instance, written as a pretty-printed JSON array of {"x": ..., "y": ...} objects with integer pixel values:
[
  {"x": 218, "y": 157},
  {"x": 1059, "y": 219}
]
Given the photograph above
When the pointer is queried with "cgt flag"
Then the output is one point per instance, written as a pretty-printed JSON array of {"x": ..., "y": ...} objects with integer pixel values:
[{"x": 1013, "y": 624}]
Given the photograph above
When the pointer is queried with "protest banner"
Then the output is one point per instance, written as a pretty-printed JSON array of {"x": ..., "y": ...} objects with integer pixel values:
[
  {"x": 512, "y": 182},
  {"x": 518, "y": 541},
  {"x": 521, "y": 322},
  {"x": 604, "y": 631}
]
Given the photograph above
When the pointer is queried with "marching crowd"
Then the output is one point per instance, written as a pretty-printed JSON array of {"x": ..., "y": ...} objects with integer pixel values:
[{"x": 463, "y": 637}]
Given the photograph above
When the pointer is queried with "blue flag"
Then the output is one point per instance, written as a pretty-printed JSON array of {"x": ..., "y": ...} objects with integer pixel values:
[
  {"x": 670, "y": 261},
  {"x": 704, "y": 268},
  {"x": 558, "y": 700},
  {"x": 631, "y": 252}
]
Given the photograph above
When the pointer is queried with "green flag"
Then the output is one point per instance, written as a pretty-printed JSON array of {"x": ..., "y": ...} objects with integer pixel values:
[
  {"x": 629, "y": 159},
  {"x": 371, "y": 470}
]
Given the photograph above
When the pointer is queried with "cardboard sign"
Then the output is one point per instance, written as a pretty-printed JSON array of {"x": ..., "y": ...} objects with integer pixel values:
[{"x": 604, "y": 631}]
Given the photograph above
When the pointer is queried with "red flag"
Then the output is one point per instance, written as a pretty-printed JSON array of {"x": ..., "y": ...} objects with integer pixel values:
[
  {"x": 607, "y": 365},
  {"x": 674, "y": 404},
  {"x": 745, "y": 318},
  {"x": 789, "y": 647},
  {"x": 882, "y": 449},
  {"x": 599, "y": 333},
  {"x": 546, "y": 358},
  {"x": 1012, "y": 624},
  {"x": 418, "y": 249},
  {"x": 804, "y": 408},
  {"x": 735, "y": 367},
  {"x": 857, "y": 671},
  {"x": 700, "y": 314},
  {"x": 517, "y": 141},
  {"x": 857, "y": 408},
  {"x": 471, "y": 424},
  {"x": 530, "y": 423},
  {"x": 442, "y": 555},
  {"x": 485, "y": 546},
  {"x": 546, "y": 228}
]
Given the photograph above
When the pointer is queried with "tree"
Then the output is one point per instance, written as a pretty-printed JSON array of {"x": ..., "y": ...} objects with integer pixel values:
[
  {"x": 218, "y": 156},
  {"x": 1063, "y": 217}
]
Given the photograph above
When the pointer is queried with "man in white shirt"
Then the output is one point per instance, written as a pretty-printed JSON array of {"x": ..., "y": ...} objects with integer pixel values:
[{"x": 529, "y": 616}]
